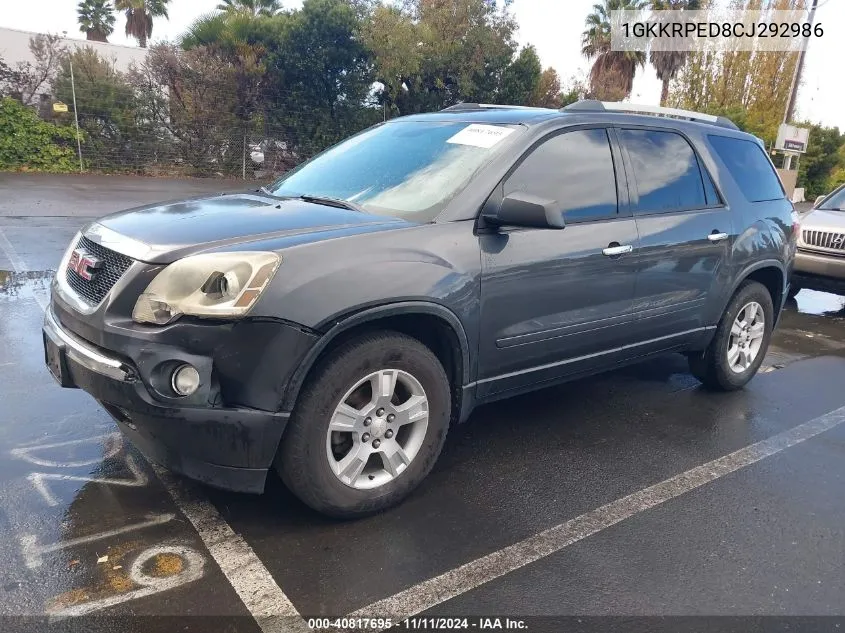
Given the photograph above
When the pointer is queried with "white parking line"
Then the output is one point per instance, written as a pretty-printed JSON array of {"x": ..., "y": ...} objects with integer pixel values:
[
  {"x": 18, "y": 265},
  {"x": 265, "y": 600},
  {"x": 482, "y": 570},
  {"x": 10, "y": 253}
]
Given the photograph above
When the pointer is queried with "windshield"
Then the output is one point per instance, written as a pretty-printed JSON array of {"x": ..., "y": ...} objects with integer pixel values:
[
  {"x": 835, "y": 202},
  {"x": 408, "y": 169}
]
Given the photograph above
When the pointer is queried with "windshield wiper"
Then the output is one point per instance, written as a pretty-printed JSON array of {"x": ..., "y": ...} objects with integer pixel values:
[
  {"x": 324, "y": 200},
  {"x": 331, "y": 202}
]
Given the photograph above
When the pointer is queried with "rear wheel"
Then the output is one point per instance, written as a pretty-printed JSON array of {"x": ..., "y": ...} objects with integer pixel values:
[
  {"x": 368, "y": 427},
  {"x": 741, "y": 340}
]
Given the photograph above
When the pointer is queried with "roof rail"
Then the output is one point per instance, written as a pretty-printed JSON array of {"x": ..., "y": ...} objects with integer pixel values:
[
  {"x": 458, "y": 107},
  {"x": 591, "y": 105}
]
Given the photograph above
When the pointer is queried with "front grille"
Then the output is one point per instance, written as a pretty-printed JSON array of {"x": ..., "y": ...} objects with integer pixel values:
[
  {"x": 825, "y": 239},
  {"x": 113, "y": 266}
]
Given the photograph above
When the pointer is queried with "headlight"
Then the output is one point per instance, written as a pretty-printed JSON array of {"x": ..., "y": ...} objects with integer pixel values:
[{"x": 214, "y": 285}]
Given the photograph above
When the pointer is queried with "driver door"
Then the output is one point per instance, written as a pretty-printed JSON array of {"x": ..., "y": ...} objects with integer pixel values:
[{"x": 559, "y": 302}]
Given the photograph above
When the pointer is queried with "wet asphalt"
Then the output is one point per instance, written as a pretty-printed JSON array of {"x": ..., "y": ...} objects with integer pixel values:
[{"x": 86, "y": 526}]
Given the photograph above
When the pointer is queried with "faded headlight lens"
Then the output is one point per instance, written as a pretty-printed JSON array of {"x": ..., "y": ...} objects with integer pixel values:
[{"x": 213, "y": 285}]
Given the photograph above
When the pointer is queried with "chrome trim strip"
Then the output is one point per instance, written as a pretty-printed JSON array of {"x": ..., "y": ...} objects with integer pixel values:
[
  {"x": 588, "y": 356},
  {"x": 86, "y": 355},
  {"x": 136, "y": 249}
]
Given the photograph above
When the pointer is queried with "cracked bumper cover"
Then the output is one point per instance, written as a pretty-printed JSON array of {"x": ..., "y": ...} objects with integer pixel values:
[{"x": 227, "y": 433}]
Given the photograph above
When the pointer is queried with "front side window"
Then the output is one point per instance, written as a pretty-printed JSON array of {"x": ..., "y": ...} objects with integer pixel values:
[
  {"x": 749, "y": 167},
  {"x": 666, "y": 171},
  {"x": 408, "y": 169},
  {"x": 575, "y": 169}
]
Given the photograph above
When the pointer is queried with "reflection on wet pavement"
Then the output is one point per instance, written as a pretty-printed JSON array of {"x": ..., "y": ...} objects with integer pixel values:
[
  {"x": 821, "y": 303},
  {"x": 17, "y": 284}
]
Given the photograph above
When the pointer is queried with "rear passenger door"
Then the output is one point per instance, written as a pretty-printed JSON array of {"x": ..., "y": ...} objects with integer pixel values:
[{"x": 685, "y": 232}]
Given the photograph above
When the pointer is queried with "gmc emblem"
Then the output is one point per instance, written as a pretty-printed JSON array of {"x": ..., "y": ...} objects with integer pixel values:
[{"x": 84, "y": 264}]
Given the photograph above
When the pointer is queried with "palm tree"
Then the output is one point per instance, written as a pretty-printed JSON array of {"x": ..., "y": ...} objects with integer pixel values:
[
  {"x": 139, "y": 17},
  {"x": 620, "y": 66},
  {"x": 254, "y": 7},
  {"x": 96, "y": 19},
  {"x": 667, "y": 64}
]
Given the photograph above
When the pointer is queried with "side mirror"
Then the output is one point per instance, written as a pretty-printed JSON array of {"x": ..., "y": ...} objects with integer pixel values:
[
  {"x": 818, "y": 200},
  {"x": 523, "y": 209}
]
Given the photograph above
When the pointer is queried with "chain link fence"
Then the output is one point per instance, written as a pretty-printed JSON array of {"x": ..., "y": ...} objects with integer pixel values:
[{"x": 130, "y": 142}]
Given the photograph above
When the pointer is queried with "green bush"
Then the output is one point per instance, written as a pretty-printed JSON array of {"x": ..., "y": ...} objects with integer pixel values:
[{"x": 27, "y": 142}]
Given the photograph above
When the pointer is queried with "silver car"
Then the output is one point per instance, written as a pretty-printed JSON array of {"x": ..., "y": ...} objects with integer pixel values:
[{"x": 820, "y": 261}]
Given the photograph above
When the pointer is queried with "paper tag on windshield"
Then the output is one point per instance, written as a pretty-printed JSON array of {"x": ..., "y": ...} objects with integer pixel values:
[{"x": 479, "y": 135}]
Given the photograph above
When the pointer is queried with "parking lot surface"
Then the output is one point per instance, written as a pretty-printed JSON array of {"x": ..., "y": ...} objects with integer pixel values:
[{"x": 636, "y": 493}]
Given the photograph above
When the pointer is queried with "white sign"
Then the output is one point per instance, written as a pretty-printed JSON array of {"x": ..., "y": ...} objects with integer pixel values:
[
  {"x": 479, "y": 135},
  {"x": 792, "y": 139}
]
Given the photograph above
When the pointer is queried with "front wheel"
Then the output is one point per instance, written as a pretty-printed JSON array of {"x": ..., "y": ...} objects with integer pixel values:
[
  {"x": 741, "y": 340},
  {"x": 368, "y": 426}
]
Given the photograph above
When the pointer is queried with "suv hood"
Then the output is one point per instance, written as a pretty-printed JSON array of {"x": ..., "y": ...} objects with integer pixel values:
[
  {"x": 163, "y": 233},
  {"x": 821, "y": 219}
]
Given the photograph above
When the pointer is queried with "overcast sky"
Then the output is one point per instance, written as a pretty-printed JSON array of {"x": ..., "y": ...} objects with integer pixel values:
[{"x": 553, "y": 26}]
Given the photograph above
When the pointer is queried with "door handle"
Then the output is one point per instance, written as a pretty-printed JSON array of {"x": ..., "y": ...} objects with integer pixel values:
[
  {"x": 614, "y": 250},
  {"x": 715, "y": 236}
]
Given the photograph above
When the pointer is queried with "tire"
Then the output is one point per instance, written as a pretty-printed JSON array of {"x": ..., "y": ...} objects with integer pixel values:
[
  {"x": 305, "y": 455},
  {"x": 713, "y": 367}
]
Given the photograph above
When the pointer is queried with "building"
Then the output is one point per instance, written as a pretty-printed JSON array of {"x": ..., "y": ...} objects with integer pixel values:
[{"x": 14, "y": 48}]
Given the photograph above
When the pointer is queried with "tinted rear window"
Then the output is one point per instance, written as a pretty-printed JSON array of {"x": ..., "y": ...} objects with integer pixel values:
[
  {"x": 749, "y": 167},
  {"x": 666, "y": 170}
]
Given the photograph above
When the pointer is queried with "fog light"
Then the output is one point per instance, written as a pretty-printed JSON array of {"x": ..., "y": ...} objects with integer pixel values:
[{"x": 185, "y": 380}]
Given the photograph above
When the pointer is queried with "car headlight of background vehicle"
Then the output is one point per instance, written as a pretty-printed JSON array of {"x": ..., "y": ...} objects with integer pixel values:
[{"x": 213, "y": 285}]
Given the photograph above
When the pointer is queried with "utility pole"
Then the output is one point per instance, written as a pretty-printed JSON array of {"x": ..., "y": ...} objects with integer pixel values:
[
  {"x": 796, "y": 80},
  {"x": 799, "y": 67},
  {"x": 76, "y": 117}
]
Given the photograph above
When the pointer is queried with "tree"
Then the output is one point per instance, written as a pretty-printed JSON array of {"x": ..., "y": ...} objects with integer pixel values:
[
  {"x": 667, "y": 64},
  {"x": 319, "y": 74},
  {"x": 140, "y": 15},
  {"x": 751, "y": 87},
  {"x": 28, "y": 81},
  {"x": 547, "y": 93},
  {"x": 251, "y": 7},
  {"x": 189, "y": 96},
  {"x": 27, "y": 142},
  {"x": 106, "y": 109},
  {"x": 612, "y": 73},
  {"x": 96, "y": 19},
  {"x": 817, "y": 168},
  {"x": 430, "y": 54},
  {"x": 521, "y": 78}
]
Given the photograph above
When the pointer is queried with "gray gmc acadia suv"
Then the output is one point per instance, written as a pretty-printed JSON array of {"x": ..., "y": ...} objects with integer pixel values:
[{"x": 333, "y": 325}]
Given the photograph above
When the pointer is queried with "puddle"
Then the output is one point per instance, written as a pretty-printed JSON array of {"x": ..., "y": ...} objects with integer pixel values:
[
  {"x": 13, "y": 284},
  {"x": 820, "y": 303}
]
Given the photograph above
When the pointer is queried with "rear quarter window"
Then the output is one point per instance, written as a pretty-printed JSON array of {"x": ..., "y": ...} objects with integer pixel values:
[{"x": 749, "y": 167}]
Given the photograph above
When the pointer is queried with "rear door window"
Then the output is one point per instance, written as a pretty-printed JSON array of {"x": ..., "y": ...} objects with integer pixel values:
[
  {"x": 666, "y": 171},
  {"x": 749, "y": 167}
]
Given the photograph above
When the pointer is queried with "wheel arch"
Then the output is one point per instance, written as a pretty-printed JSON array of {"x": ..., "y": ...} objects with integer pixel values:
[
  {"x": 433, "y": 324},
  {"x": 769, "y": 273}
]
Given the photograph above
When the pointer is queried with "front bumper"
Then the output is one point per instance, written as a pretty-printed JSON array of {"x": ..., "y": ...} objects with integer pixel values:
[
  {"x": 820, "y": 265},
  {"x": 226, "y": 446}
]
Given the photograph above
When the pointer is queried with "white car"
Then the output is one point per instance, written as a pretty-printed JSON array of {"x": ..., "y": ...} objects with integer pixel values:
[{"x": 820, "y": 260}]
